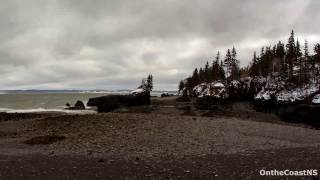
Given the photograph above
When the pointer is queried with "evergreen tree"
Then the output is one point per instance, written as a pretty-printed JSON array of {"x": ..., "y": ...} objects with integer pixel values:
[
  {"x": 207, "y": 73},
  {"x": 234, "y": 54},
  {"x": 254, "y": 71},
  {"x": 228, "y": 63},
  {"x": 298, "y": 50},
  {"x": 317, "y": 51},
  {"x": 306, "y": 53},
  {"x": 299, "y": 60},
  {"x": 149, "y": 82},
  {"x": 280, "y": 53},
  {"x": 222, "y": 74},
  {"x": 215, "y": 68},
  {"x": 235, "y": 72},
  {"x": 291, "y": 55},
  {"x": 305, "y": 64},
  {"x": 181, "y": 86},
  {"x": 201, "y": 75},
  {"x": 195, "y": 78},
  {"x": 189, "y": 86},
  {"x": 299, "y": 63},
  {"x": 280, "y": 50},
  {"x": 262, "y": 52}
]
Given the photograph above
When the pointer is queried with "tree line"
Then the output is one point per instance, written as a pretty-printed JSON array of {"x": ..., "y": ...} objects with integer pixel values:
[
  {"x": 291, "y": 61},
  {"x": 226, "y": 69}
]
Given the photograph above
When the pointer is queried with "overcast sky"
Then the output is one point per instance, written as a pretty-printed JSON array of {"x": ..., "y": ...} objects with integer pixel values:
[{"x": 112, "y": 44}]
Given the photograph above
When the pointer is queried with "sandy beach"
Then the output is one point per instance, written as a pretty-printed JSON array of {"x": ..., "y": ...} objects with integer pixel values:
[{"x": 166, "y": 140}]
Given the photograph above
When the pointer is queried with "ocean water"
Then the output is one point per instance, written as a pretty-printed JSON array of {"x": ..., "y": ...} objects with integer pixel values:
[{"x": 42, "y": 101}]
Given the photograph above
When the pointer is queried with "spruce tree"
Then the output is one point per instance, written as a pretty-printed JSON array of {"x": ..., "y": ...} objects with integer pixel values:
[
  {"x": 298, "y": 50},
  {"x": 235, "y": 72},
  {"x": 195, "y": 77},
  {"x": 201, "y": 75},
  {"x": 317, "y": 53},
  {"x": 215, "y": 68},
  {"x": 305, "y": 62},
  {"x": 254, "y": 66},
  {"x": 291, "y": 55},
  {"x": 181, "y": 86},
  {"x": 207, "y": 72},
  {"x": 306, "y": 53},
  {"x": 228, "y": 63},
  {"x": 222, "y": 74},
  {"x": 280, "y": 53},
  {"x": 149, "y": 82}
]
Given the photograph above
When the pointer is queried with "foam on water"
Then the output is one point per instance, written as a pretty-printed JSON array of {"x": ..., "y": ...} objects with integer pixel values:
[{"x": 37, "y": 110}]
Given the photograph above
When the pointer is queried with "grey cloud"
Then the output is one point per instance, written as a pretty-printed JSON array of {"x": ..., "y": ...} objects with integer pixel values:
[{"x": 113, "y": 44}]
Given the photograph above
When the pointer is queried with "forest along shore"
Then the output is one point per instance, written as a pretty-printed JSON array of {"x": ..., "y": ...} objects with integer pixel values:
[{"x": 167, "y": 139}]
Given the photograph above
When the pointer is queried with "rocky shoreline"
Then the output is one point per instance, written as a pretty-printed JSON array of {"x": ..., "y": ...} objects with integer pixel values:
[{"x": 167, "y": 134}]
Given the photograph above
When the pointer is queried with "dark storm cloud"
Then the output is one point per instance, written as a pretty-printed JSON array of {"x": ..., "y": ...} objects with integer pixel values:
[{"x": 112, "y": 44}]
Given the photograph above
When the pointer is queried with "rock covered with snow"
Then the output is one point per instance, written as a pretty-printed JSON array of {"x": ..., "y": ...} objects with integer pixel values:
[
  {"x": 271, "y": 87},
  {"x": 256, "y": 84},
  {"x": 296, "y": 95},
  {"x": 137, "y": 91},
  {"x": 235, "y": 89},
  {"x": 283, "y": 92},
  {"x": 264, "y": 95},
  {"x": 316, "y": 99},
  {"x": 215, "y": 90},
  {"x": 235, "y": 84}
]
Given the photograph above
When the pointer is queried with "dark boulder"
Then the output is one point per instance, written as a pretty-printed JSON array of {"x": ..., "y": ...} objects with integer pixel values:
[
  {"x": 112, "y": 102},
  {"x": 79, "y": 105}
]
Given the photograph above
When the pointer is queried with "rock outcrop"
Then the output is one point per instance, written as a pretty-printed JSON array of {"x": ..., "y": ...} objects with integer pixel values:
[
  {"x": 113, "y": 102},
  {"x": 79, "y": 105}
]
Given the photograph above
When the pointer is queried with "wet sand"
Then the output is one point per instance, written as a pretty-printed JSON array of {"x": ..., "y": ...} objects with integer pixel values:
[{"x": 167, "y": 140}]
